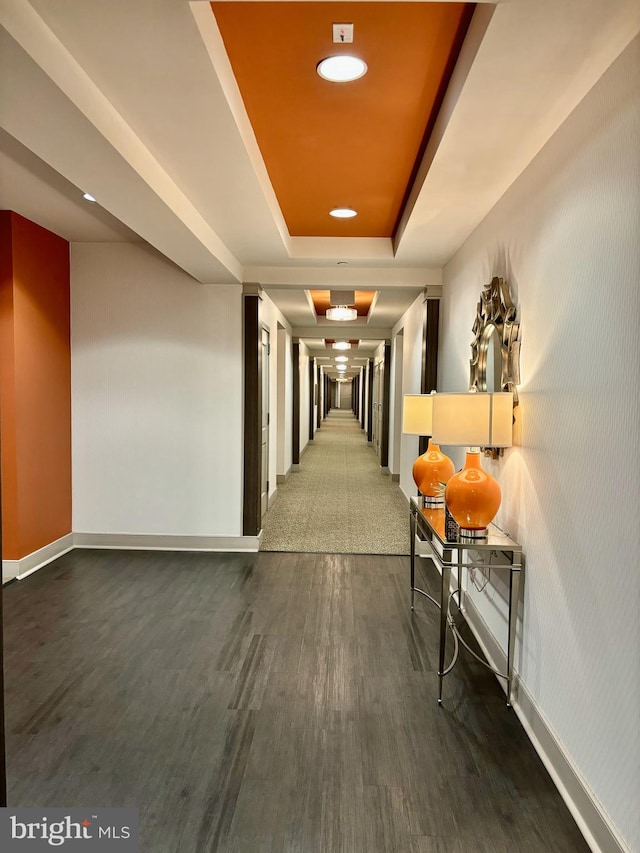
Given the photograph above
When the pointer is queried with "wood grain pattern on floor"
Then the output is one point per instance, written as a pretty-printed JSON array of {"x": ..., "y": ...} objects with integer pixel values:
[{"x": 264, "y": 703}]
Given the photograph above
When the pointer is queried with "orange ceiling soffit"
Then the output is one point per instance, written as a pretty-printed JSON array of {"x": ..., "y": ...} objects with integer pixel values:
[{"x": 354, "y": 145}]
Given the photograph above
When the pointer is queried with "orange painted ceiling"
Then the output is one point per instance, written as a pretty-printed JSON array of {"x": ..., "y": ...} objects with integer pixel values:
[{"x": 355, "y": 144}]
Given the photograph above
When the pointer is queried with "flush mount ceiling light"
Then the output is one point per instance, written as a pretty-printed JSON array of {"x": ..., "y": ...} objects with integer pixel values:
[
  {"x": 342, "y": 358},
  {"x": 341, "y": 68},
  {"x": 88, "y": 197},
  {"x": 341, "y": 345},
  {"x": 341, "y": 367},
  {"x": 341, "y": 312},
  {"x": 343, "y": 213}
]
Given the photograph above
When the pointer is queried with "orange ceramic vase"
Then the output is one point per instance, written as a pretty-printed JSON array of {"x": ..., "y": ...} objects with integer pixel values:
[
  {"x": 430, "y": 470},
  {"x": 473, "y": 496}
]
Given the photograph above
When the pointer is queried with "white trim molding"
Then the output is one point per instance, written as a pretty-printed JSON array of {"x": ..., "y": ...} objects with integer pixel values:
[
  {"x": 152, "y": 542},
  {"x": 32, "y": 562},
  {"x": 593, "y": 822}
]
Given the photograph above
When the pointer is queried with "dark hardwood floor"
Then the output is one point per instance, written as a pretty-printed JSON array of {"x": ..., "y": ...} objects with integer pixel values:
[{"x": 263, "y": 703}]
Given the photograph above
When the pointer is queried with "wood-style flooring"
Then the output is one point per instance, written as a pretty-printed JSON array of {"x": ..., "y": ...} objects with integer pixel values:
[{"x": 264, "y": 703}]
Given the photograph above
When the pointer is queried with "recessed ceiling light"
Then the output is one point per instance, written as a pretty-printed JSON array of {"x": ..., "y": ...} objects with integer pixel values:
[
  {"x": 343, "y": 212},
  {"x": 341, "y": 345},
  {"x": 341, "y": 367},
  {"x": 342, "y": 358},
  {"x": 341, "y": 68},
  {"x": 88, "y": 197},
  {"x": 341, "y": 312}
]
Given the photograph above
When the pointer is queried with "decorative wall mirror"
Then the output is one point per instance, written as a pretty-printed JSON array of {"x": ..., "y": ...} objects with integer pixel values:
[{"x": 495, "y": 349}]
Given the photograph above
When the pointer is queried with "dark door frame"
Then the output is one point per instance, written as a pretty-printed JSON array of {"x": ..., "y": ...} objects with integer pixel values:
[
  {"x": 311, "y": 374},
  {"x": 429, "y": 364},
  {"x": 252, "y": 351},
  {"x": 370, "y": 402},
  {"x": 295, "y": 399},
  {"x": 386, "y": 410}
]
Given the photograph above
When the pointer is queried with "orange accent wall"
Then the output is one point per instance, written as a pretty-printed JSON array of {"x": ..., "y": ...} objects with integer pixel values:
[{"x": 35, "y": 386}]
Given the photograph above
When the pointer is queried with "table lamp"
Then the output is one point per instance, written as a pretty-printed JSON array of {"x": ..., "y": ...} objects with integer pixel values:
[
  {"x": 432, "y": 468},
  {"x": 474, "y": 420}
]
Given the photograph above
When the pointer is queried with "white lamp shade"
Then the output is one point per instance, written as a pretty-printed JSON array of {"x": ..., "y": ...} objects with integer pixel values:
[
  {"x": 416, "y": 414},
  {"x": 481, "y": 419}
]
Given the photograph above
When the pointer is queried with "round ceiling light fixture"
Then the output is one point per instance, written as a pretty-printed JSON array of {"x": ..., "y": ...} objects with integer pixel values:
[
  {"x": 342, "y": 358},
  {"x": 341, "y": 345},
  {"x": 343, "y": 213},
  {"x": 341, "y": 68},
  {"x": 341, "y": 368},
  {"x": 341, "y": 312}
]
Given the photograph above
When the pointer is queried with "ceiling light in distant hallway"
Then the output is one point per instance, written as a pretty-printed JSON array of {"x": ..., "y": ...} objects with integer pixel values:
[
  {"x": 341, "y": 367},
  {"x": 342, "y": 68},
  {"x": 343, "y": 213},
  {"x": 341, "y": 345},
  {"x": 342, "y": 358},
  {"x": 341, "y": 312}
]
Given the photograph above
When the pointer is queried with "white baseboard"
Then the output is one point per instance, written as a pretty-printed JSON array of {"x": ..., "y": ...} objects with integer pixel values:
[
  {"x": 32, "y": 562},
  {"x": 151, "y": 542},
  {"x": 593, "y": 822},
  {"x": 282, "y": 478}
]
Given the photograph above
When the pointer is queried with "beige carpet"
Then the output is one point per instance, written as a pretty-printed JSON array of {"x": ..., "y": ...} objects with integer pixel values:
[{"x": 339, "y": 502}]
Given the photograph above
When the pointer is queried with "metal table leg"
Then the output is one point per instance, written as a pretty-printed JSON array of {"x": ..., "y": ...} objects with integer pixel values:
[
  {"x": 514, "y": 595},
  {"x": 412, "y": 552},
  {"x": 444, "y": 612}
]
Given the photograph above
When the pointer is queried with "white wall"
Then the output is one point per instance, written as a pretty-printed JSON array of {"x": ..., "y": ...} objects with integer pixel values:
[
  {"x": 395, "y": 404},
  {"x": 411, "y": 324},
  {"x": 279, "y": 387},
  {"x": 157, "y": 396},
  {"x": 284, "y": 403},
  {"x": 565, "y": 237},
  {"x": 304, "y": 397}
]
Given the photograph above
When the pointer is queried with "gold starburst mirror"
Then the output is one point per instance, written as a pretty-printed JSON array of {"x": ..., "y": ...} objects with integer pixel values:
[{"x": 495, "y": 349}]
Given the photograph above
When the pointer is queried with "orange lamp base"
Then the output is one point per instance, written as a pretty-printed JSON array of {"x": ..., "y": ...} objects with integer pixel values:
[
  {"x": 473, "y": 498},
  {"x": 431, "y": 470}
]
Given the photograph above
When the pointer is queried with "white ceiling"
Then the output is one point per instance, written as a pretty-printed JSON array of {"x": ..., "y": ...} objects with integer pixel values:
[{"x": 134, "y": 101}]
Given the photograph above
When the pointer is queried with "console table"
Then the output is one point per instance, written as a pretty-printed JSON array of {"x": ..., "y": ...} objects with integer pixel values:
[{"x": 429, "y": 526}]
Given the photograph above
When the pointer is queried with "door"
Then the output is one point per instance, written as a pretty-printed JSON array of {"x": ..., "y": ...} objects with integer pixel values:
[
  {"x": 345, "y": 395},
  {"x": 264, "y": 484}
]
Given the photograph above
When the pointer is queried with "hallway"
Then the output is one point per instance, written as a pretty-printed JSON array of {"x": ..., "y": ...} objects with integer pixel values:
[
  {"x": 339, "y": 500},
  {"x": 264, "y": 703}
]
